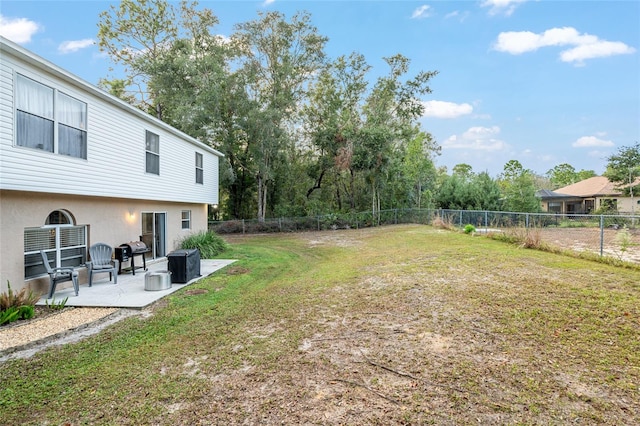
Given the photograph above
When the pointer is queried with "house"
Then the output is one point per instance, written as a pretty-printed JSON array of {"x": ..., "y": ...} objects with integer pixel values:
[
  {"x": 79, "y": 166},
  {"x": 586, "y": 196}
]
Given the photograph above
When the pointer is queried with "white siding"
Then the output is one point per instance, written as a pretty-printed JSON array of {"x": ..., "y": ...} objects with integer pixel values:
[{"x": 115, "y": 164}]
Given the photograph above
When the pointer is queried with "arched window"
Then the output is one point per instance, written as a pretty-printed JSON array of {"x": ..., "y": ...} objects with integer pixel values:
[
  {"x": 59, "y": 217},
  {"x": 64, "y": 242}
]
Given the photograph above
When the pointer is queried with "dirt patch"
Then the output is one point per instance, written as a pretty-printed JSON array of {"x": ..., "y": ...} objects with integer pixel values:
[
  {"x": 196, "y": 291},
  {"x": 613, "y": 242},
  {"x": 236, "y": 270}
]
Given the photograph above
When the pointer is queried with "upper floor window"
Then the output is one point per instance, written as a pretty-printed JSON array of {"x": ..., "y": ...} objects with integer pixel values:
[
  {"x": 34, "y": 114},
  {"x": 153, "y": 153},
  {"x": 39, "y": 109},
  {"x": 72, "y": 126},
  {"x": 199, "y": 168}
]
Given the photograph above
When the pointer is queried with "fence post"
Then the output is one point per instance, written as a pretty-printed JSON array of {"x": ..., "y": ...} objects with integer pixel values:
[
  {"x": 460, "y": 211},
  {"x": 486, "y": 220},
  {"x": 318, "y": 221},
  {"x": 243, "y": 226},
  {"x": 601, "y": 235},
  {"x": 280, "y": 224}
]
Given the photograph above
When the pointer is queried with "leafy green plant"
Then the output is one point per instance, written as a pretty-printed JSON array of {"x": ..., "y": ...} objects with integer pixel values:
[
  {"x": 9, "y": 315},
  {"x": 469, "y": 229},
  {"x": 26, "y": 312},
  {"x": 208, "y": 243},
  {"x": 57, "y": 305}
]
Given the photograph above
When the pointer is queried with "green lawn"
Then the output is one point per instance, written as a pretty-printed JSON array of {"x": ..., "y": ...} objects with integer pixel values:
[{"x": 394, "y": 325}]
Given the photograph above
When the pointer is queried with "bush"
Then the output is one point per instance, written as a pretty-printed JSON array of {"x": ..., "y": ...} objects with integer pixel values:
[
  {"x": 208, "y": 243},
  {"x": 16, "y": 306},
  {"x": 469, "y": 229},
  {"x": 16, "y": 300}
]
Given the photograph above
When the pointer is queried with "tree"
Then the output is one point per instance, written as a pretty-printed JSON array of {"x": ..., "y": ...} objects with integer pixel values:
[
  {"x": 332, "y": 118},
  {"x": 135, "y": 34},
  {"x": 565, "y": 174},
  {"x": 463, "y": 170},
  {"x": 623, "y": 169},
  {"x": 278, "y": 59},
  {"x": 469, "y": 191},
  {"x": 418, "y": 163},
  {"x": 562, "y": 175},
  {"x": 390, "y": 112},
  {"x": 485, "y": 192},
  {"x": 518, "y": 188}
]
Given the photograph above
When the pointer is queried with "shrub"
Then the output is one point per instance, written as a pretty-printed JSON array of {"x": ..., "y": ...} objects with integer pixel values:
[
  {"x": 469, "y": 229},
  {"x": 9, "y": 315},
  {"x": 26, "y": 312},
  {"x": 443, "y": 222},
  {"x": 208, "y": 243},
  {"x": 16, "y": 300}
]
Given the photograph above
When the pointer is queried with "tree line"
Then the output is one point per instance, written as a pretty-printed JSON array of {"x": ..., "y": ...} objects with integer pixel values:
[{"x": 302, "y": 133}]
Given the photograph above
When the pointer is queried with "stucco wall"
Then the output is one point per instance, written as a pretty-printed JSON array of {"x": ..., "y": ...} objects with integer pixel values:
[{"x": 110, "y": 220}]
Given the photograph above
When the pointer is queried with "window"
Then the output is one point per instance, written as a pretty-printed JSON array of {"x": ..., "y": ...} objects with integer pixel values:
[
  {"x": 153, "y": 153},
  {"x": 34, "y": 114},
  {"x": 64, "y": 243},
  {"x": 554, "y": 207},
  {"x": 199, "y": 169},
  {"x": 186, "y": 219},
  {"x": 36, "y": 121},
  {"x": 609, "y": 203},
  {"x": 72, "y": 126}
]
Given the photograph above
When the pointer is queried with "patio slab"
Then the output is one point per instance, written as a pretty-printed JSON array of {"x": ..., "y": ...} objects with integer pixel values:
[{"x": 129, "y": 292}]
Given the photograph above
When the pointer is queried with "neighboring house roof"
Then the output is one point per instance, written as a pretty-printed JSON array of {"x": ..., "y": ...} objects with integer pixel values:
[
  {"x": 597, "y": 186},
  {"x": 547, "y": 194}
]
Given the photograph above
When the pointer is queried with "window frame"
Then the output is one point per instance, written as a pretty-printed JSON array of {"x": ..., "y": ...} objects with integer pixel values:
[
  {"x": 185, "y": 221},
  {"x": 152, "y": 167},
  {"x": 50, "y": 114},
  {"x": 65, "y": 243},
  {"x": 199, "y": 168}
]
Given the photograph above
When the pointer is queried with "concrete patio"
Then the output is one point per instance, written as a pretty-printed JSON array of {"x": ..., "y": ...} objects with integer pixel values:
[{"x": 129, "y": 292}]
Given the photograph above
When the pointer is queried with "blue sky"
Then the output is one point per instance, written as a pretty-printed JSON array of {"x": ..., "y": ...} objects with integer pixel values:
[{"x": 541, "y": 82}]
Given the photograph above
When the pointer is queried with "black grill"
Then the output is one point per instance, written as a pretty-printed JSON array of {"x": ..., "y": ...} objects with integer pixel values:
[{"x": 128, "y": 251}]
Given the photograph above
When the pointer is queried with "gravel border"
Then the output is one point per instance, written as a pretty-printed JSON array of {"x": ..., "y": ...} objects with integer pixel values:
[{"x": 24, "y": 341}]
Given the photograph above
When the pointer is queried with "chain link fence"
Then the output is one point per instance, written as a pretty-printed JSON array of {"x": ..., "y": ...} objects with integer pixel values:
[{"x": 616, "y": 236}]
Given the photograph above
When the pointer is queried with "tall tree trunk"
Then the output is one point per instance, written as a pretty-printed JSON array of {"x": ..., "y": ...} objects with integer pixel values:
[{"x": 262, "y": 192}]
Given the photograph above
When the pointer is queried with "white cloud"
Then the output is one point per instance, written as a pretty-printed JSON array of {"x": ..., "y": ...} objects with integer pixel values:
[
  {"x": 442, "y": 109},
  {"x": 75, "y": 45},
  {"x": 599, "y": 49},
  {"x": 505, "y": 7},
  {"x": 477, "y": 139},
  {"x": 586, "y": 46},
  {"x": 267, "y": 2},
  {"x": 423, "y": 11},
  {"x": 18, "y": 30},
  {"x": 590, "y": 142},
  {"x": 456, "y": 14}
]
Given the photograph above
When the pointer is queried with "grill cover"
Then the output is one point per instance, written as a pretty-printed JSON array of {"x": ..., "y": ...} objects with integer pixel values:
[
  {"x": 137, "y": 247},
  {"x": 184, "y": 265}
]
